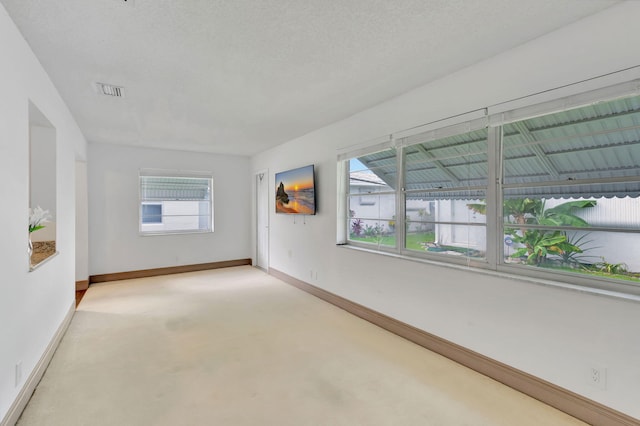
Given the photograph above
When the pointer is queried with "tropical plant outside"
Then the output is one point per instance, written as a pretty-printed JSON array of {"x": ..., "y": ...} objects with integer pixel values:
[
  {"x": 356, "y": 227},
  {"x": 537, "y": 244},
  {"x": 576, "y": 258}
]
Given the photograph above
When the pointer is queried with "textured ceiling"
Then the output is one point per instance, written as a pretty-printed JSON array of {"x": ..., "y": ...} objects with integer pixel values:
[{"x": 242, "y": 76}]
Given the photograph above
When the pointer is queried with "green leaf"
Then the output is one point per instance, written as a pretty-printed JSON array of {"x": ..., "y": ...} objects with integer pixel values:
[
  {"x": 478, "y": 208},
  {"x": 35, "y": 228},
  {"x": 520, "y": 252}
]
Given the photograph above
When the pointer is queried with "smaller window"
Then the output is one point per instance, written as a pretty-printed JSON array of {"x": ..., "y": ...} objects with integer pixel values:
[{"x": 175, "y": 203}]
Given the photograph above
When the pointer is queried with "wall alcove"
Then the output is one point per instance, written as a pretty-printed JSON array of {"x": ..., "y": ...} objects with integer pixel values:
[{"x": 42, "y": 185}]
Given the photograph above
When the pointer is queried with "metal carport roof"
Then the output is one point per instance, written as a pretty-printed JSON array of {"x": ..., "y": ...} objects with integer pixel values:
[{"x": 590, "y": 151}]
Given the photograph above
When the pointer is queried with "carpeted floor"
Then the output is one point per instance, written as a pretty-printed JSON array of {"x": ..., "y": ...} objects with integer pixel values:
[{"x": 236, "y": 346}]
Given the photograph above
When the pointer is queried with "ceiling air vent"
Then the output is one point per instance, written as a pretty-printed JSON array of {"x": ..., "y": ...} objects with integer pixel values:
[{"x": 110, "y": 90}]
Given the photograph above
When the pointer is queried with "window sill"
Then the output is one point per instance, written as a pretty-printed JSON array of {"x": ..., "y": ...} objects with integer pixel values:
[
  {"x": 504, "y": 274},
  {"x": 153, "y": 234},
  {"x": 33, "y": 267}
]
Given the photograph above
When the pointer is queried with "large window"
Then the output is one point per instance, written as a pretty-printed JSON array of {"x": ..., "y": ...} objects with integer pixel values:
[
  {"x": 554, "y": 195},
  {"x": 175, "y": 202}
]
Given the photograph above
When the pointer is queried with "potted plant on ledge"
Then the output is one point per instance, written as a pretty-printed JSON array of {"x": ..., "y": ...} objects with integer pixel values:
[{"x": 37, "y": 218}]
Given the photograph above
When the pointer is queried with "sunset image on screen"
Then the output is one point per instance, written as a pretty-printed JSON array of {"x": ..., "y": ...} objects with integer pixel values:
[{"x": 295, "y": 191}]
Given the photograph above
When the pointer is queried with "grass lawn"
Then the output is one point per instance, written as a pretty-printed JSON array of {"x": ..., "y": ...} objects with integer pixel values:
[
  {"x": 413, "y": 240},
  {"x": 625, "y": 277}
]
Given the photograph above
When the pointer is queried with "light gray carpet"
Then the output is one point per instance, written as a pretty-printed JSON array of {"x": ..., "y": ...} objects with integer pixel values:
[{"x": 236, "y": 346}]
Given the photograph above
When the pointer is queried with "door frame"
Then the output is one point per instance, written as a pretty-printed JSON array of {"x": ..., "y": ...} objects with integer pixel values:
[{"x": 261, "y": 207}]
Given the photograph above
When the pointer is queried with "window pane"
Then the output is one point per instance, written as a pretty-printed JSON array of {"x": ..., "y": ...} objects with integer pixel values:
[
  {"x": 600, "y": 254},
  {"x": 378, "y": 206},
  {"x": 450, "y": 239},
  {"x": 445, "y": 178},
  {"x": 372, "y": 206},
  {"x": 525, "y": 206},
  {"x": 375, "y": 232},
  {"x": 373, "y": 173},
  {"x": 454, "y": 162},
  {"x": 590, "y": 252},
  {"x": 446, "y": 222},
  {"x": 593, "y": 142},
  {"x": 374, "y": 221},
  {"x": 174, "y": 188}
]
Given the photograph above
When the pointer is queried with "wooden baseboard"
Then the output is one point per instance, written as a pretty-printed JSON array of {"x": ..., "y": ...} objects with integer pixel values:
[
  {"x": 565, "y": 400},
  {"x": 82, "y": 285},
  {"x": 116, "y": 276},
  {"x": 15, "y": 411}
]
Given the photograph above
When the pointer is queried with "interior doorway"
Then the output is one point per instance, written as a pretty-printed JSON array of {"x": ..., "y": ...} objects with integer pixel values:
[
  {"x": 262, "y": 220},
  {"x": 82, "y": 225}
]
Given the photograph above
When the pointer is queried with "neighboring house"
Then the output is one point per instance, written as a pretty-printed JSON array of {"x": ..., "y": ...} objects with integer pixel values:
[
  {"x": 165, "y": 216},
  {"x": 370, "y": 202}
]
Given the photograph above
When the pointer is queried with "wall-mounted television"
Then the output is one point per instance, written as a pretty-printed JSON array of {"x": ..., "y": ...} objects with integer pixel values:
[{"x": 296, "y": 191}]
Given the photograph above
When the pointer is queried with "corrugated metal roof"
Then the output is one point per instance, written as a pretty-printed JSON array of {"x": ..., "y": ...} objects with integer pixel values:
[
  {"x": 453, "y": 162},
  {"x": 597, "y": 141},
  {"x": 158, "y": 188},
  {"x": 593, "y": 142},
  {"x": 577, "y": 191}
]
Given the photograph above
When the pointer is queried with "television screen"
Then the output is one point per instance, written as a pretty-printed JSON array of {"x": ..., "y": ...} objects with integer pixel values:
[{"x": 295, "y": 191}]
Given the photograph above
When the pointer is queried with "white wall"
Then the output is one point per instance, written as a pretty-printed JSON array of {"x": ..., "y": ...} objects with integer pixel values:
[
  {"x": 32, "y": 304},
  {"x": 114, "y": 241},
  {"x": 550, "y": 332},
  {"x": 43, "y": 169}
]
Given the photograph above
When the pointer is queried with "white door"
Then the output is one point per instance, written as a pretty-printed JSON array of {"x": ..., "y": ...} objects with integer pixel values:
[{"x": 262, "y": 220}]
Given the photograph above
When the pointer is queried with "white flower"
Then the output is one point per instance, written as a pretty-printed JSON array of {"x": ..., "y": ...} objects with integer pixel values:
[{"x": 37, "y": 217}]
